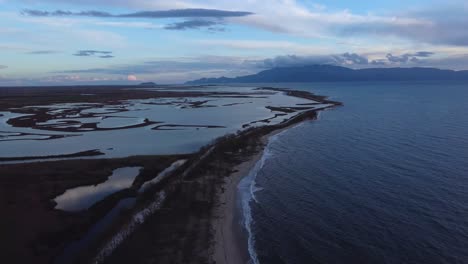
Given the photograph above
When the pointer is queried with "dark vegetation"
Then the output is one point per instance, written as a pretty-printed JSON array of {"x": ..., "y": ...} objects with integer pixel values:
[
  {"x": 17, "y": 97},
  {"x": 94, "y": 152},
  {"x": 31, "y": 230}
]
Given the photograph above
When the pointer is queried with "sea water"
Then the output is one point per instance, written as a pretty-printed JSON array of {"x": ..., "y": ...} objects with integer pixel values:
[{"x": 383, "y": 179}]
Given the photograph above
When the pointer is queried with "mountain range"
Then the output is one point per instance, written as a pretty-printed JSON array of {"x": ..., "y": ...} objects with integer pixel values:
[{"x": 330, "y": 73}]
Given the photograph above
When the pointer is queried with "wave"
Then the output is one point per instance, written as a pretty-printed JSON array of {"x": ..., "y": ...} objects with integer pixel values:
[{"x": 247, "y": 189}]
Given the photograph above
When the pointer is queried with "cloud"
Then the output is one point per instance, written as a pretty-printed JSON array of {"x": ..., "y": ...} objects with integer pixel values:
[
  {"x": 412, "y": 57},
  {"x": 378, "y": 62},
  {"x": 132, "y": 78},
  {"x": 174, "y": 13},
  {"x": 294, "y": 60},
  {"x": 352, "y": 60},
  {"x": 432, "y": 25},
  {"x": 40, "y": 13},
  {"x": 127, "y": 24},
  {"x": 157, "y": 66},
  {"x": 175, "y": 70},
  {"x": 423, "y": 24},
  {"x": 3, "y": 67},
  {"x": 42, "y": 52},
  {"x": 198, "y": 16},
  {"x": 458, "y": 62},
  {"x": 346, "y": 59},
  {"x": 178, "y": 70},
  {"x": 423, "y": 54},
  {"x": 181, "y": 69},
  {"x": 273, "y": 46},
  {"x": 92, "y": 53},
  {"x": 192, "y": 24}
]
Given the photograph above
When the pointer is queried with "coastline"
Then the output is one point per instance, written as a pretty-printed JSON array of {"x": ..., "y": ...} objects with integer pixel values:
[
  {"x": 198, "y": 219},
  {"x": 228, "y": 247},
  {"x": 198, "y": 222},
  {"x": 230, "y": 236}
]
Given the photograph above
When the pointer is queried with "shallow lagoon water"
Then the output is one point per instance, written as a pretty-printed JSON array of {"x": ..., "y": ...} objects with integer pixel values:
[
  {"x": 205, "y": 118},
  {"x": 76, "y": 247},
  {"x": 83, "y": 197}
]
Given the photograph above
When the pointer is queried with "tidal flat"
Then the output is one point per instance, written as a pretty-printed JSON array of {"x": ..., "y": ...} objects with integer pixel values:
[{"x": 59, "y": 139}]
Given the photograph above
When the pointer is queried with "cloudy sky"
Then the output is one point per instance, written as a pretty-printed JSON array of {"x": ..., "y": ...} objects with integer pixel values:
[{"x": 46, "y": 42}]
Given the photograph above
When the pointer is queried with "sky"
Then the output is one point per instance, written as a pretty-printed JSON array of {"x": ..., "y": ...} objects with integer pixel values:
[{"x": 57, "y": 42}]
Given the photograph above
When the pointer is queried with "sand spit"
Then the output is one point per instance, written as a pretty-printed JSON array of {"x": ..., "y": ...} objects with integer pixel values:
[{"x": 197, "y": 222}]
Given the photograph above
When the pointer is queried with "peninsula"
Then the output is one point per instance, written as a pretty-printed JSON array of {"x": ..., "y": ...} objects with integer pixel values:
[{"x": 180, "y": 204}]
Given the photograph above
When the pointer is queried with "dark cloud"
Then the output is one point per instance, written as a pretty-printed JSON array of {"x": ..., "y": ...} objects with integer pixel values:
[
  {"x": 181, "y": 13},
  {"x": 3, "y": 67},
  {"x": 40, "y": 13},
  {"x": 92, "y": 53},
  {"x": 294, "y": 60},
  {"x": 423, "y": 54},
  {"x": 353, "y": 58},
  {"x": 42, "y": 52},
  {"x": 379, "y": 62},
  {"x": 409, "y": 57},
  {"x": 419, "y": 59},
  {"x": 175, "y": 13},
  {"x": 192, "y": 24},
  {"x": 403, "y": 58},
  {"x": 346, "y": 59}
]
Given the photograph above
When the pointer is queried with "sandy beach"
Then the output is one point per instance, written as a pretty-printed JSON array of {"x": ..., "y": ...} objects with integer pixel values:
[
  {"x": 227, "y": 247},
  {"x": 230, "y": 245}
]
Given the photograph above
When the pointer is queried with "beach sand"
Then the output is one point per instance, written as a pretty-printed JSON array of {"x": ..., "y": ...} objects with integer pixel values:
[
  {"x": 230, "y": 238},
  {"x": 228, "y": 245}
]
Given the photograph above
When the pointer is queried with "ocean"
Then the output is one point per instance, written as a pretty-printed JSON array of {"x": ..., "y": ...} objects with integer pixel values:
[{"x": 383, "y": 179}]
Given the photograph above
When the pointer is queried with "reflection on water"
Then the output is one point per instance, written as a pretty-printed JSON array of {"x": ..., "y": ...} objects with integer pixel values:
[
  {"x": 194, "y": 122},
  {"x": 76, "y": 247},
  {"x": 81, "y": 198}
]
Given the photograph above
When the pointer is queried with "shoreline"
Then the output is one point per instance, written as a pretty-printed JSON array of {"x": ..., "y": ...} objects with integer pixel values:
[
  {"x": 198, "y": 220},
  {"x": 230, "y": 234},
  {"x": 195, "y": 223}
]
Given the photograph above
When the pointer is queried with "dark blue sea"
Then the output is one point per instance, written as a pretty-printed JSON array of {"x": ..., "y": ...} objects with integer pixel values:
[{"x": 383, "y": 179}]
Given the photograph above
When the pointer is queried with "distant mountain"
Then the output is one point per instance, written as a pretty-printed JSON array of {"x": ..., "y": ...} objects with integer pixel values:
[
  {"x": 148, "y": 84},
  {"x": 329, "y": 73}
]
